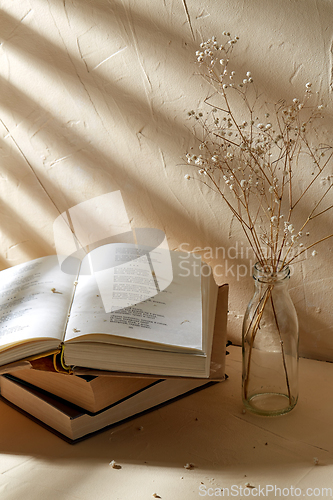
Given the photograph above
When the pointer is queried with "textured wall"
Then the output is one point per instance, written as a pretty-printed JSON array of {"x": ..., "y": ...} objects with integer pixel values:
[{"x": 94, "y": 98}]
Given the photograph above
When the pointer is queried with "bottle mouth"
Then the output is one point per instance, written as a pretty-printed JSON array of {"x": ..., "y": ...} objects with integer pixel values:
[{"x": 267, "y": 273}]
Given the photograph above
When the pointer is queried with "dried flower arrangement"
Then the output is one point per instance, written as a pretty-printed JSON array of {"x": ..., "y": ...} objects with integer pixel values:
[
  {"x": 252, "y": 163},
  {"x": 257, "y": 167}
]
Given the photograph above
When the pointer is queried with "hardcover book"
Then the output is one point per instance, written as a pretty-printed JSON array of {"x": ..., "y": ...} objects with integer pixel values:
[
  {"x": 73, "y": 422},
  {"x": 44, "y": 309}
]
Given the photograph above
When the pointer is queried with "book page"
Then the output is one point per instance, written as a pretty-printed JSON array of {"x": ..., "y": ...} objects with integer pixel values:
[
  {"x": 141, "y": 314},
  {"x": 34, "y": 301}
]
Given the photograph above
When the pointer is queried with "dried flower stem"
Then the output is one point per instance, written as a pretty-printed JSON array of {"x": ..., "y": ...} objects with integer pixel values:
[{"x": 254, "y": 327}]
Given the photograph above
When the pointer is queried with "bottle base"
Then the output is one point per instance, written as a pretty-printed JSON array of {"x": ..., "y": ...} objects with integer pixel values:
[{"x": 269, "y": 404}]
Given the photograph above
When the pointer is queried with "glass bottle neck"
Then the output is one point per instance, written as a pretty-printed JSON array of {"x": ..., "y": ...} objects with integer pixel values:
[{"x": 271, "y": 275}]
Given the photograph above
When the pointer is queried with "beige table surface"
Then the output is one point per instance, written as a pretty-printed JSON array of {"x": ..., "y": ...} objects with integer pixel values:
[{"x": 281, "y": 457}]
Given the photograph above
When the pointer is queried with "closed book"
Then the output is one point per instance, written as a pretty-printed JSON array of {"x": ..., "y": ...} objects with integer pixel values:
[{"x": 74, "y": 423}]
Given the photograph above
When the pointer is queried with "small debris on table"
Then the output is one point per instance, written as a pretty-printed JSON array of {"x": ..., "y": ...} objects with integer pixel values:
[
  {"x": 114, "y": 465},
  {"x": 189, "y": 466}
]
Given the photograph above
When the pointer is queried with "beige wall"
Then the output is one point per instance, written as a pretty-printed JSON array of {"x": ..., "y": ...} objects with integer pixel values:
[{"x": 94, "y": 98}]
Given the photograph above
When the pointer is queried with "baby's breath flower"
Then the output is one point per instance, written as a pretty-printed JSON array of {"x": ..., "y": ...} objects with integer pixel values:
[
  {"x": 262, "y": 151},
  {"x": 199, "y": 160}
]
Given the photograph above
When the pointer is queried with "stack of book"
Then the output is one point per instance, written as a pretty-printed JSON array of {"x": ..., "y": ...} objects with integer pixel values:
[{"x": 77, "y": 369}]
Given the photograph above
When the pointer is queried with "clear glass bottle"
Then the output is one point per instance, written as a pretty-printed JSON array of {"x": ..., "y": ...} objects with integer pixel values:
[{"x": 270, "y": 345}]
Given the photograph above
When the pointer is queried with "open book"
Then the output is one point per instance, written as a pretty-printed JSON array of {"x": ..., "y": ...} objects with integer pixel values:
[{"x": 112, "y": 311}]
